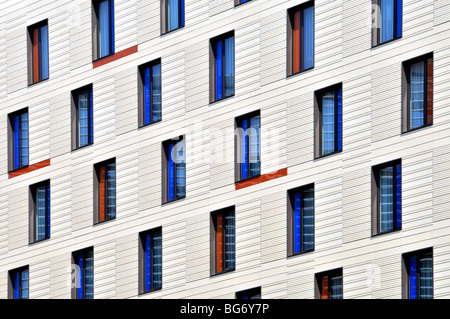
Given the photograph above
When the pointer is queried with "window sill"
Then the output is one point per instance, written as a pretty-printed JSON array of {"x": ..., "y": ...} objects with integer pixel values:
[
  {"x": 222, "y": 273},
  {"x": 40, "y": 81},
  {"x": 38, "y": 241},
  {"x": 104, "y": 221},
  {"x": 82, "y": 147},
  {"x": 327, "y": 155},
  {"x": 171, "y": 31},
  {"x": 18, "y": 169},
  {"x": 149, "y": 291},
  {"x": 387, "y": 232},
  {"x": 222, "y": 99},
  {"x": 29, "y": 168},
  {"x": 260, "y": 179},
  {"x": 173, "y": 200},
  {"x": 113, "y": 57},
  {"x": 301, "y": 253},
  {"x": 383, "y": 43},
  {"x": 103, "y": 57},
  {"x": 289, "y": 75},
  {"x": 248, "y": 178},
  {"x": 417, "y": 128}
]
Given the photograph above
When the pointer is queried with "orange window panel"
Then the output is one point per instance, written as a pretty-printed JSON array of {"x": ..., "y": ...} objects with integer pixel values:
[
  {"x": 219, "y": 242},
  {"x": 35, "y": 55},
  {"x": 102, "y": 193},
  {"x": 296, "y": 38},
  {"x": 325, "y": 287}
]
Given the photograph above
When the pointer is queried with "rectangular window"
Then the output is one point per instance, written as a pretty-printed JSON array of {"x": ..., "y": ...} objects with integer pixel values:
[
  {"x": 301, "y": 219},
  {"x": 222, "y": 66},
  {"x": 38, "y": 52},
  {"x": 39, "y": 223},
  {"x": 222, "y": 240},
  {"x": 172, "y": 15},
  {"x": 149, "y": 93},
  {"x": 328, "y": 121},
  {"x": 386, "y": 197},
  {"x": 18, "y": 139},
  {"x": 417, "y": 274},
  {"x": 329, "y": 284},
  {"x": 417, "y": 93},
  {"x": 103, "y": 28},
  {"x": 300, "y": 43},
  {"x": 83, "y": 261},
  {"x": 105, "y": 191},
  {"x": 386, "y": 21},
  {"x": 174, "y": 169},
  {"x": 150, "y": 260},
  {"x": 18, "y": 283},
  {"x": 248, "y": 159},
  {"x": 82, "y": 117},
  {"x": 253, "y": 293}
]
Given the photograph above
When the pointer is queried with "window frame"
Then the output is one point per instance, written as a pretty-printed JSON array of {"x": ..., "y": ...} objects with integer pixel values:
[
  {"x": 32, "y": 200},
  {"x": 164, "y": 16},
  {"x": 11, "y": 282},
  {"x": 212, "y": 67},
  {"x": 406, "y": 257},
  {"x": 231, "y": 210},
  {"x": 31, "y": 53},
  {"x": 376, "y": 197},
  {"x": 428, "y": 60},
  {"x": 238, "y": 149},
  {"x": 318, "y": 279},
  {"x": 74, "y": 260},
  {"x": 318, "y": 120},
  {"x": 11, "y": 144},
  {"x": 97, "y": 191},
  {"x": 165, "y": 170},
  {"x": 290, "y": 220},
  {"x": 290, "y": 39},
  {"x": 376, "y": 18},
  {"x": 96, "y": 54},
  {"x": 141, "y": 92},
  {"x": 252, "y": 293},
  {"x": 141, "y": 253},
  {"x": 75, "y": 116}
]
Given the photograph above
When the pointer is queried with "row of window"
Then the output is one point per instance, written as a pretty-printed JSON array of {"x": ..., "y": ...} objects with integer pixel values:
[
  {"x": 417, "y": 269},
  {"x": 386, "y": 26},
  {"x": 386, "y": 199},
  {"x": 172, "y": 18},
  {"x": 417, "y": 112}
]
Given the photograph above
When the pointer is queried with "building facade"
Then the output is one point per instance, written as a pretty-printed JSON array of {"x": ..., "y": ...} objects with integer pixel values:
[{"x": 225, "y": 149}]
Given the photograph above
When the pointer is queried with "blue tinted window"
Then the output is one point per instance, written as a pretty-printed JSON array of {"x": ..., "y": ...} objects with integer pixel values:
[
  {"x": 20, "y": 139},
  {"x": 223, "y": 49},
  {"x": 152, "y": 253}
]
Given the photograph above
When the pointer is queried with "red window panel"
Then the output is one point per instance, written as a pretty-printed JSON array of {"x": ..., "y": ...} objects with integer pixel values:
[
  {"x": 102, "y": 192},
  {"x": 36, "y": 54},
  {"x": 296, "y": 46},
  {"x": 219, "y": 241},
  {"x": 325, "y": 287}
]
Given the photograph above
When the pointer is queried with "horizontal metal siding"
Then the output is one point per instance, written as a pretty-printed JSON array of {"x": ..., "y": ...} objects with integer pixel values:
[
  {"x": 125, "y": 24},
  {"x": 371, "y": 135},
  {"x": 273, "y": 47},
  {"x": 81, "y": 29},
  {"x": 126, "y": 105}
]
